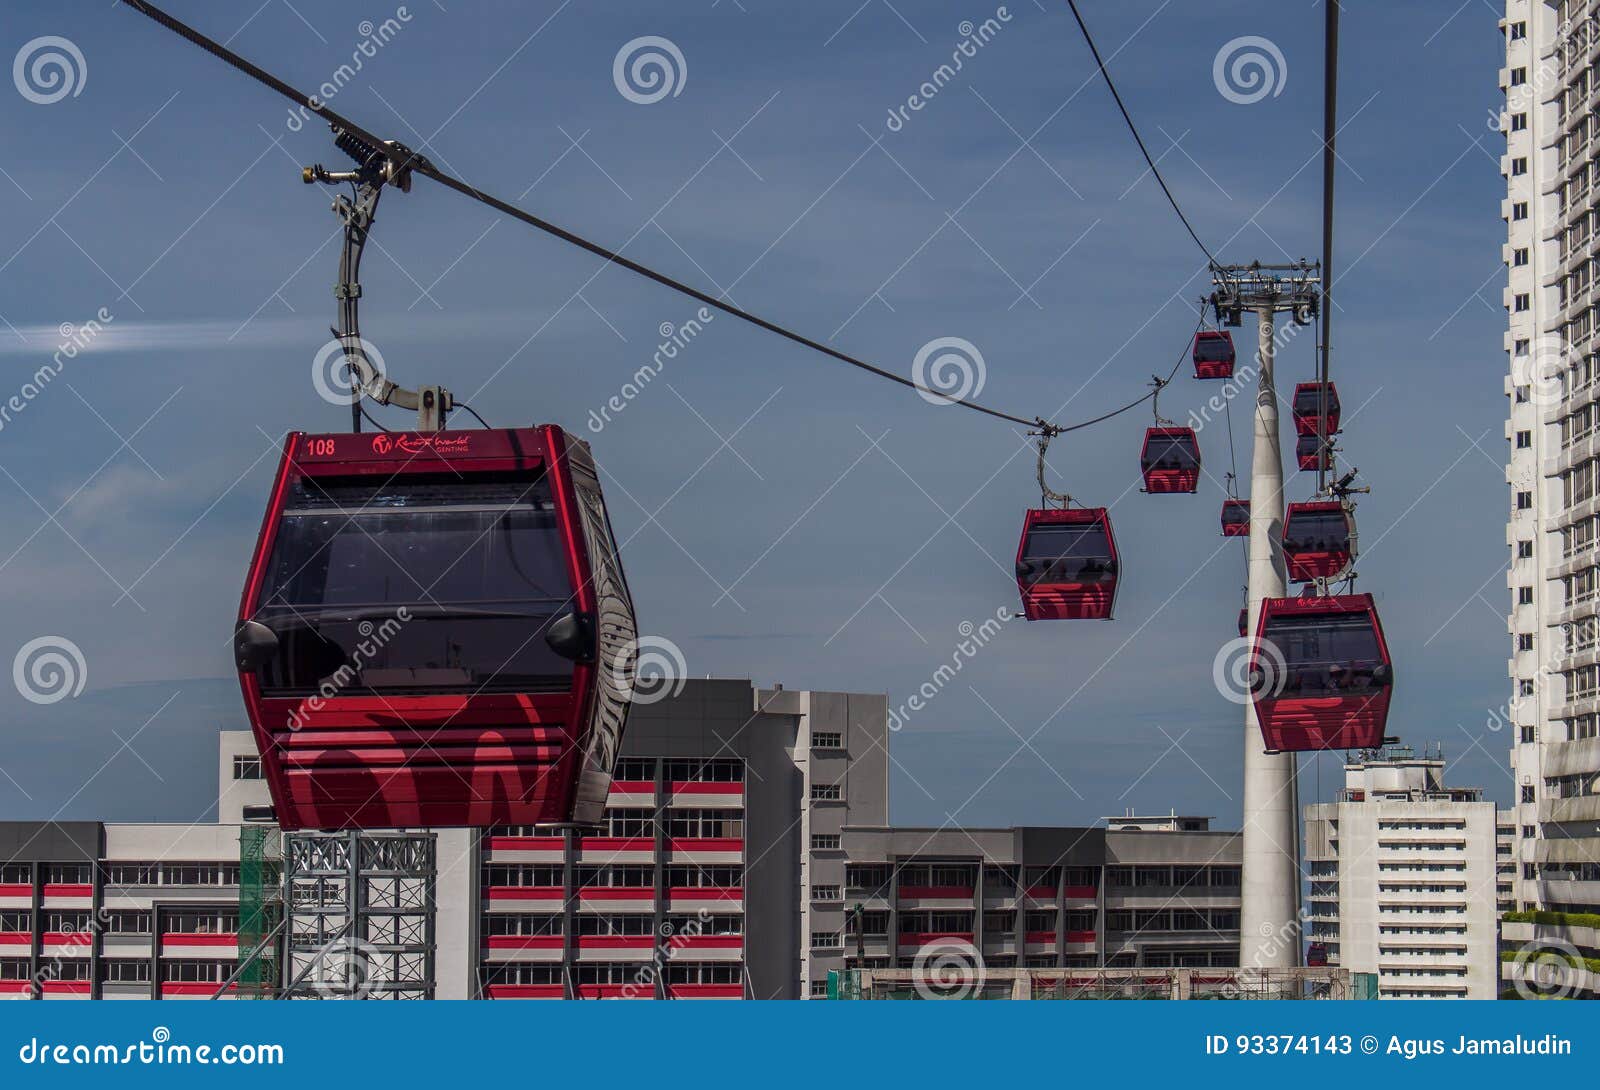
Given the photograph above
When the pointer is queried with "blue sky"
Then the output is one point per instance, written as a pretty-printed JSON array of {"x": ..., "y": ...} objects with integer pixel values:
[{"x": 786, "y": 518}]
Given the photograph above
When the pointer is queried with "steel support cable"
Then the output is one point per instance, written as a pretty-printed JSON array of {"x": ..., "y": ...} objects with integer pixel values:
[
  {"x": 1137, "y": 139},
  {"x": 405, "y": 160},
  {"x": 1330, "y": 120}
]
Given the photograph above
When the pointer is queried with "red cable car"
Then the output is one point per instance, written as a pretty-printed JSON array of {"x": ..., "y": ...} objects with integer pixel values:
[
  {"x": 1305, "y": 453},
  {"x": 436, "y": 631},
  {"x": 1170, "y": 460},
  {"x": 1244, "y": 621},
  {"x": 1213, "y": 354},
  {"x": 1307, "y": 405},
  {"x": 1317, "y": 955},
  {"x": 1317, "y": 540},
  {"x": 1320, "y": 673},
  {"x": 1235, "y": 518},
  {"x": 1067, "y": 564}
]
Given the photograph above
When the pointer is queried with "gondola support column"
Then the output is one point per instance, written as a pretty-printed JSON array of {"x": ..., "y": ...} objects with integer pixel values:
[{"x": 1269, "y": 918}]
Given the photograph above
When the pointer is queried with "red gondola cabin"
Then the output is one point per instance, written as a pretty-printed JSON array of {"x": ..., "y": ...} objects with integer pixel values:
[
  {"x": 1305, "y": 453},
  {"x": 1213, "y": 354},
  {"x": 1320, "y": 673},
  {"x": 1067, "y": 564},
  {"x": 1170, "y": 460},
  {"x": 436, "y": 631},
  {"x": 1308, "y": 403},
  {"x": 1235, "y": 518},
  {"x": 1317, "y": 540}
]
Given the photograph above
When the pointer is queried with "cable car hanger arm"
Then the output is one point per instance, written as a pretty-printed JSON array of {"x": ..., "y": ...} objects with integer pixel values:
[{"x": 401, "y": 162}]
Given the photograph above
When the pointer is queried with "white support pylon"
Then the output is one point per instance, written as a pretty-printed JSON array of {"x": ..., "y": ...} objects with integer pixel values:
[{"x": 1269, "y": 934}]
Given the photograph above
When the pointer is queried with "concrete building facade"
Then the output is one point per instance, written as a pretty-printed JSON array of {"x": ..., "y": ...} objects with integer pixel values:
[
  {"x": 1408, "y": 878},
  {"x": 1551, "y": 124}
]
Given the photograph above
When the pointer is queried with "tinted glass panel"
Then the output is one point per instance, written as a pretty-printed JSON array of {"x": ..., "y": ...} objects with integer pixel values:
[
  {"x": 1067, "y": 554},
  {"x": 1212, "y": 350},
  {"x": 1171, "y": 452},
  {"x": 1326, "y": 654},
  {"x": 478, "y": 567},
  {"x": 1317, "y": 532},
  {"x": 1306, "y": 402}
]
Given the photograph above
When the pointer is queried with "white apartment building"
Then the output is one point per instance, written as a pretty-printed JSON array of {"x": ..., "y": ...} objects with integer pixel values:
[
  {"x": 1551, "y": 122},
  {"x": 1408, "y": 878}
]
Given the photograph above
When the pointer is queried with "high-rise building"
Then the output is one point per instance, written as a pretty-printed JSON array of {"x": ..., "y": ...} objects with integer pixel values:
[
  {"x": 742, "y": 826},
  {"x": 1408, "y": 877},
  {"x": 1552, "y": 211}
]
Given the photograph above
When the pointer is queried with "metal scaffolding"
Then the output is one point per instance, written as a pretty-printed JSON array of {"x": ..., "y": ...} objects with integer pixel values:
[{"x": 360, "y": 915}]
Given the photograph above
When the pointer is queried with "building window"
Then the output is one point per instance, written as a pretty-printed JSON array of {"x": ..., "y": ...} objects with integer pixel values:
[
  {"x": 827, "y": 739},
  {"x": 125, "y": 971},
  {"x": 1525, "y": 687},
  {"x": 1530, "y": 831},
  {"x": 1530, "y": 734},
  {"x": 825, "y": 842},
  {"x": 67, "y": 874},
  {"x": 1519, "y": 257},
  {"x": 1524, "y": 501},
  {"x": 826, "y": 792},
  {"x": 246, "y": 768},
  {"x": 825, "y": 940},
  {"x": 634, "y": 770},
  {"x": 1519, "y": 76},
  {"x": 819, "y": 989},
  {"x": 706, "y": 824},
  {"x": 1517, "y": 31},
  {"x": 1519, "y": 122},
  {"x": 1519, "y": 210},
  {"x": 1524, "y": 596},
  {"x": 1528, "y": 794},
  {"x": 827, "y": 893},
  {"x": 1519, "y": 166},
  {"x": 1524, "y": 641},
  {"x": 1524, "y": 440},
  {"x": 1524, "y": 550},
  {"x": 1521, "y": 303}
]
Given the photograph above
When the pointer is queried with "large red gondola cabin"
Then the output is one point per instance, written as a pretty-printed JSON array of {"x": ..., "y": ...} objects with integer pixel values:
[
  {"x": 1307, "y": 405},
  {"x": 1320, "y": 673},
  {"x": 1067, "y": 564},
  {"x": 1213, "y": 354},
  {"x": 1170, "y": 460},
  {"x": 436, "y": 631},
  {"x": 1316, "y": 540}
]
